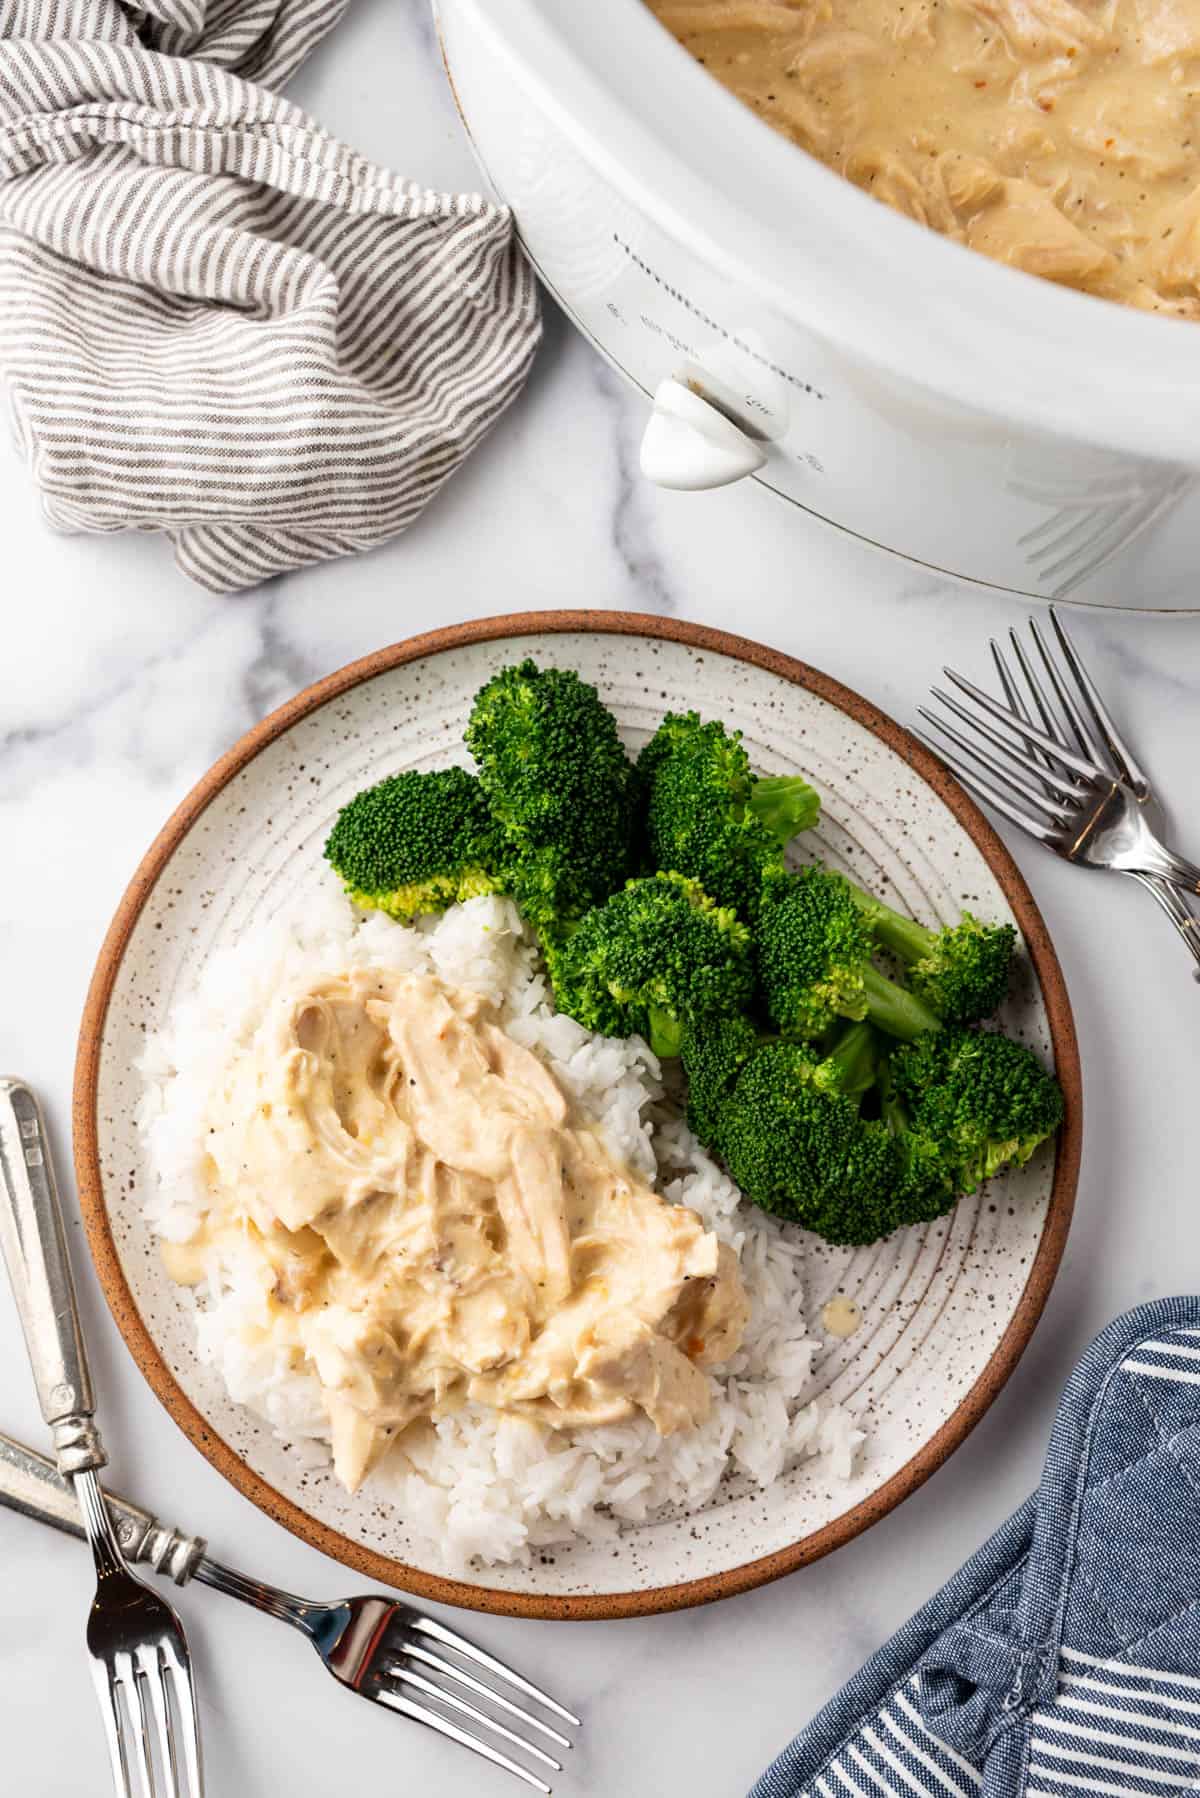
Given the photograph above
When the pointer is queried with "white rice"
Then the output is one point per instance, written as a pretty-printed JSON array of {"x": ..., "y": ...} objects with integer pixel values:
[{"x": 479, "y": 1487}]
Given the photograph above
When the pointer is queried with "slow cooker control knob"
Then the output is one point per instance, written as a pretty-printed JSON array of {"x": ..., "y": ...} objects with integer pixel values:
[{"x": 689, "y": 444}]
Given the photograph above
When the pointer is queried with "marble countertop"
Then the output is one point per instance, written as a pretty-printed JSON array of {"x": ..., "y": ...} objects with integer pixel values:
[{"x": 120, "y": 683}]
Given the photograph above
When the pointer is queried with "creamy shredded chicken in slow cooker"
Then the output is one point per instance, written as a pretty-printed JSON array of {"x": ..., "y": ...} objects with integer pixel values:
[
  {"x": 433, "y": 1224},
  {"x": 1055, "y": 135}
]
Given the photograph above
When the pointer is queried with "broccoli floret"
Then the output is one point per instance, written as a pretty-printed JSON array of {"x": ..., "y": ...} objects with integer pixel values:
[
  {"x": 715, "y": 1053},
  {"x": 955, "y": 1106},
  {"x": 415, "y": 843},
  {"x": 654, "y": 957},
  {"x": 559, "y": 787},
  {"x": 712, "y": 1057},
  {"x": 793, "y": 1137},
  {"x": 814, "y": 958},
  {"x": 961, "y": 972},
  {"x": 981, "y": 1100},
  {"x": 927, "y": 1175},
  {"x": 708, "y": 816}
]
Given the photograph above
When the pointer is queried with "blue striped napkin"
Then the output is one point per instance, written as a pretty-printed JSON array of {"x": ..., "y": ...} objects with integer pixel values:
[{"x": 1063, "y": 1660}]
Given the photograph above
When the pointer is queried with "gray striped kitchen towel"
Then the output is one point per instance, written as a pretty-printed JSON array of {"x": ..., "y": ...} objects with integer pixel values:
[{"x": 218, "y": 322}]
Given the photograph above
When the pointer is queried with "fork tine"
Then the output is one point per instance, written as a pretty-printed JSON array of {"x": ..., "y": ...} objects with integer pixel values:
[
  {"x": 127, "y": 1680},
  {"x": 408, "y": 1707},
  {"x": 1028, "y": 732},
  {"x": 152, "y": 1669},
  {"x": 1012, "y": 691},
  {"x": 1050, "y": 724},
  {"x": 406, "y": 1676},
  {"x": 1016, "y": 700},
  {"x": 1050, "y": 808},
  {"x": 1070, "y": 711},
  {"x": 113, "y": 1735},
  {"x": 984, "y": 788},
  {"x": 1123, "y": 759},
  {"x": 477, "y": 1686},
  {"x": 430, "y": 1627},
  {"x": 178, "y": 1662}
]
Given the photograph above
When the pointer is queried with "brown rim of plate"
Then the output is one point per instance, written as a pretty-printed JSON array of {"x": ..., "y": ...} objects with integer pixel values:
[{"x": 602, "y": 1604}]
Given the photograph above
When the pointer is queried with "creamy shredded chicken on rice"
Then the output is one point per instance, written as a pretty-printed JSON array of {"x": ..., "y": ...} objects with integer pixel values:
[{"x": 434, "y": 1226}]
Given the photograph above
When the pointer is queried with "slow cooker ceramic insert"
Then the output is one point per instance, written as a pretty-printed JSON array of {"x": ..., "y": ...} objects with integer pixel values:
[{"x": 785, "y": 327}]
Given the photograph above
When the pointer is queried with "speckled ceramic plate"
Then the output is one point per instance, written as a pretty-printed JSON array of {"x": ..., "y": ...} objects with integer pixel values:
[{"x": 947, "y": 1308}]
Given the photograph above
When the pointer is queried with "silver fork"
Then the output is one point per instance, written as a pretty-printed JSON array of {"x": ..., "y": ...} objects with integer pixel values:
[
  {"x": 1075, "y": 801},
  {"x": 140, "y": 1664},
  {"x": 379, "y": 1647},
  {"x": 1069, "y": 779},
  {"x": 1167, "y": 896}
]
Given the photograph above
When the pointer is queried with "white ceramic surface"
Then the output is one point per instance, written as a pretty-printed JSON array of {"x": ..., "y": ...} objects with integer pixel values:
[
  {"x": 970, "y": 416},
  {"x": 936, "y": 1300}
]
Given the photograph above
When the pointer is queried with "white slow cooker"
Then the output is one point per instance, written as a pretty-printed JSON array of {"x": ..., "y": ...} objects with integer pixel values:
[{"x": 785, "y": 326}]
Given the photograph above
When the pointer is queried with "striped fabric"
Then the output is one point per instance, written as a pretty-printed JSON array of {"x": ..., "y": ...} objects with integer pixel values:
[
  {"x": 1063, "y": 1661},
  {"x": 1167, "y": 1361},
  {"x": 1129, "y": 1732},
  {"x": 218, "y": 322},
  {"x": 1116, "y": 1728},
  {"x": 894, "y": 1755}
]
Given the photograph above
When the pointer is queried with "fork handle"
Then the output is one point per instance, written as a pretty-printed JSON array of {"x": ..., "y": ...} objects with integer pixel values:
[
  {"x": 35, "y": 1250},
  {"x": 1167, "y": 865},
  {"x": 31, "y": 1484},
  {"x": 1172, "y": 902}
]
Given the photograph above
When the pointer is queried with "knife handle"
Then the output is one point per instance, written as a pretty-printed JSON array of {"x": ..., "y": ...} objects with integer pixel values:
[
  {"x": 35, "y": 1249},
  {"x": 31, "y": 1484}
]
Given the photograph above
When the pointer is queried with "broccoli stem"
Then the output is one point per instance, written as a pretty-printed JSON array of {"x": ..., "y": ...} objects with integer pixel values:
[
  {"x": 784, "y": 804},
  {"x": 666, "y": 1033},
  {"x": 903, "y": 936},
  {"x": 851, "y": 1064},
  {"x": 894, "y": 1009},
  {"x": 891, "y": 1107}
]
